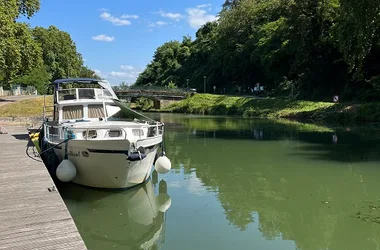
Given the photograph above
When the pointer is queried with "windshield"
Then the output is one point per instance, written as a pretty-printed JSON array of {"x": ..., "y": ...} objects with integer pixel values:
[{"x": 120, "y": 111}]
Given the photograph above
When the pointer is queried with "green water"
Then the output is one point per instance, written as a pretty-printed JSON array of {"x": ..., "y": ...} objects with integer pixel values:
[{"x": 244, "y": 184}]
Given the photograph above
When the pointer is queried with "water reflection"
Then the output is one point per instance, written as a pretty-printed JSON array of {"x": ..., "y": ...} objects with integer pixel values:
[
  {"x": 132, "y": 219},
  {"x": 245, "y": 184},
  {"x": 301, "y": 184}
]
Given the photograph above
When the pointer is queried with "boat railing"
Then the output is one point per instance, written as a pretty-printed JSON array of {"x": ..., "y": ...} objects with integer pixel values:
[
  {"x": 83, "y": 94},
  {"x": 57, "y": 133}
]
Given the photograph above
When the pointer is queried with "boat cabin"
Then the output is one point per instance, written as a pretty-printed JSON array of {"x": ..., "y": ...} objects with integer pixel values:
[
  {"x": 91, "y": 103},
  {"x": 94, "y": 112}
]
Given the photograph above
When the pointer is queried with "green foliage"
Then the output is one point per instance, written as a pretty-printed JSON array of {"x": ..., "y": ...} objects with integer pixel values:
[
  {"x": 59, "y": 52},
  {"x": 322, "y": 47},
  {"x": 248, "y": 107},
  {"x": 144, "y": 103},
  {"x": 357, "y": 33},
  {"x": 87, "y": 73},
  {"x": 171, "y": 85},
  {"x": 34, "y": 56},
  {"x": 277, "y": 108},
  {"x": 122, "y": 86},
  {"x": 28, "y": 7},
  {"x": 37, "y": 77}
]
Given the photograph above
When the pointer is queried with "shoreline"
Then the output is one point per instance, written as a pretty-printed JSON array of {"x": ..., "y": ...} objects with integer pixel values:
[
  {"x": 274, "y": 108},
  {"x": 28, "y": 112}
]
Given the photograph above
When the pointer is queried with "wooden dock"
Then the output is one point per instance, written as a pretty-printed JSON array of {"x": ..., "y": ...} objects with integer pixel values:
[{"x": 32, "y": 212}]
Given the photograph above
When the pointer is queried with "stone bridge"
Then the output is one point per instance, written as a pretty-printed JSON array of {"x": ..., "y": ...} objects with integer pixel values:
[{"x": 161, "y": 96}]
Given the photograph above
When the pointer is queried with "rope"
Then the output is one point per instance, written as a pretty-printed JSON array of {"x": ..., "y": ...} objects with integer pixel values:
[
  {"x": 56, "y": 146},
  {"x": 163, "y": 143}
]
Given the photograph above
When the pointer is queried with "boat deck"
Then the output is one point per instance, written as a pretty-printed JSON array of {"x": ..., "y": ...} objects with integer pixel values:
[{"x": 32, "y": 212}]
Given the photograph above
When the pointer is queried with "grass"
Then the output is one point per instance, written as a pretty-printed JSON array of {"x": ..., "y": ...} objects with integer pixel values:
[
  {"x": 243, "y": 106},
  {"x": 26, "y": 108},
  {"x": 277, "y": 108}
]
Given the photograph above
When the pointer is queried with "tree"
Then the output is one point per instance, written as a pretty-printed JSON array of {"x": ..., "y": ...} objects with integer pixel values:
[
  {"x": 59, "y": 52},
  {"x": 357, "y": 32},
  {"x": 37, "y": 77},
  {"x": 19, "y": 51},
  {"x": 88, "y": 73},
  {"x": 9, "y": 54},
  {"x": 167, "y": 59},
  {"x": 318, "y": 48},
  {"x": 122, "y": 86},
  {"x": 230, "y": 4},
  {"x": 27, "y": 7}
]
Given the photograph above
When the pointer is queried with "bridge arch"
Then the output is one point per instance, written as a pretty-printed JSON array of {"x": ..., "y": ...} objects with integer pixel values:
[{"x": 160, "y": 96}]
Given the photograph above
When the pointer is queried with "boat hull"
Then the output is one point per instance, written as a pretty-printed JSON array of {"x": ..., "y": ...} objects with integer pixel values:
[{"x": 105, "y": 164}]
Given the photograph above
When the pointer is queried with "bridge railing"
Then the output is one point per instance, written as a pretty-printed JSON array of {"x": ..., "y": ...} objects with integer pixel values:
[{"x": 156, "y": 89}]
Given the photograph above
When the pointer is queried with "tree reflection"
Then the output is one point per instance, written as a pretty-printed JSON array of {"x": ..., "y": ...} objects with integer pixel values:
[{"x": 313, "y": 201}]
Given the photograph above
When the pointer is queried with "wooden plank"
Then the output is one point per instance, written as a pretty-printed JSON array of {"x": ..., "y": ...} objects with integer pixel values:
[{"x": 31, "y": 216}]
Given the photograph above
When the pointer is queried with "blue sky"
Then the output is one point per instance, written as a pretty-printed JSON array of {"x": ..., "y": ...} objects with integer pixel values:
[{"x": 117, "y": 38}]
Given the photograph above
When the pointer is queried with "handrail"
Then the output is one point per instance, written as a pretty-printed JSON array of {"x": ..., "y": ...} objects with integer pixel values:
[
  {"x": 90, "y": 128},
  {"x": 110, "y": 127},
  {"x": 155, "y": 88},
  {"x": 98, "y": 96}
]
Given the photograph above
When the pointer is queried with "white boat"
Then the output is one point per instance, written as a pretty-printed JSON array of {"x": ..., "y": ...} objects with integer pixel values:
[{"x": 97, "y": 140}]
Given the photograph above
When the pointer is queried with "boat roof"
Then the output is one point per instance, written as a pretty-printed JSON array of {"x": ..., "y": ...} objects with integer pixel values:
[
  {"x": 105, "y": 84},
  {"x": 78, "y": 80}
]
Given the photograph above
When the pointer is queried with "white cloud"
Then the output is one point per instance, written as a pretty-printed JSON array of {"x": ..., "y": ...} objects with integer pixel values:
[
  {"x": 116, "y": 77},
  {"x": 103, "y": 10},
  {"x": 204, "y": 5},
  {"x": 195, "y": 186},
  {"x": 198, "y": 16},
  {"x": 157, "y": 24},
  {"x": 174, "y": 16},
  {"x": 98, "y": 72},
  {"x": 129, "y": 16},
  {"x": 114, "y": 20},
  {"x": 103, "y": 38},
  {"x": 119, "y": 74},
  {"x": 126, "y": 67}
]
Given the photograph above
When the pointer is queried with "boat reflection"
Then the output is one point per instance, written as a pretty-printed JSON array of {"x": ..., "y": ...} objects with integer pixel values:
[{"x": 132, "y": 219}]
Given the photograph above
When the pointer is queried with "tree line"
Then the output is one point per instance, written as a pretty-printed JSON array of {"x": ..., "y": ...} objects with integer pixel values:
[
  {"x": 311, "y": 49},
  {"x": 35, "y": 56}
]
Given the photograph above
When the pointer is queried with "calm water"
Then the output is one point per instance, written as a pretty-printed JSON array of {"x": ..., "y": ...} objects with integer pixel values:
[{"x": 244, "y": 184}]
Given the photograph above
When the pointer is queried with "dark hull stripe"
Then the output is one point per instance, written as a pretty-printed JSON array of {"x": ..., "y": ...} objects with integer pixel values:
[{"x": 101, "y": 151}]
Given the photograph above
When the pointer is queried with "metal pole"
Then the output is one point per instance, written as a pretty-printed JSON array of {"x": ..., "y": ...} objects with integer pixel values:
[
  {"x": 187, "y": 81},
  {"x": 292, "y": 90},
  {"x": 204, "y": 84}
]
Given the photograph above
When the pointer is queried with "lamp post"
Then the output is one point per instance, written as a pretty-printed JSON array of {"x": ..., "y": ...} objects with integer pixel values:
[
  {"x": 204, "y": 84},
  {"x": 187, "y": 81}
]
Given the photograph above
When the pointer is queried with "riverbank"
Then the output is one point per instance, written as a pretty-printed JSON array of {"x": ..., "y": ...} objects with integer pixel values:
[
  {"x": 30, "y": 111},
  {"x": 277, "y": 108},
  {"x": 25, "y": 112}
]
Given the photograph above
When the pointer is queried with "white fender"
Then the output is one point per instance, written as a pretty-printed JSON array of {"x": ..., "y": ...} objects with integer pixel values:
[
  {"x": 66, "y": 171},
  {"x": 163, "y": 165}
]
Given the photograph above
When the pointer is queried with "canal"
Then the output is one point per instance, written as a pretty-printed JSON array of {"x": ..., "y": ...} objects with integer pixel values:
[{"x": 244, "y": 184}]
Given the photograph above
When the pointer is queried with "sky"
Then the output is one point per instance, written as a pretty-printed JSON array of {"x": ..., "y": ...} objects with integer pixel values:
[{"x": 117, "y": 38}]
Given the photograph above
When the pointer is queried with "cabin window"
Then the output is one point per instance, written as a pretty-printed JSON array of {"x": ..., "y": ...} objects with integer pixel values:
[
  {"x": 67, "y": 94},
  {"x": 95, "y": 111},
  {"x": 114, "y": 133},
  {"x": 72, "y": 112},
  {"x": 137, "y": 132},
  {"x": 86, "y": 93}
]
